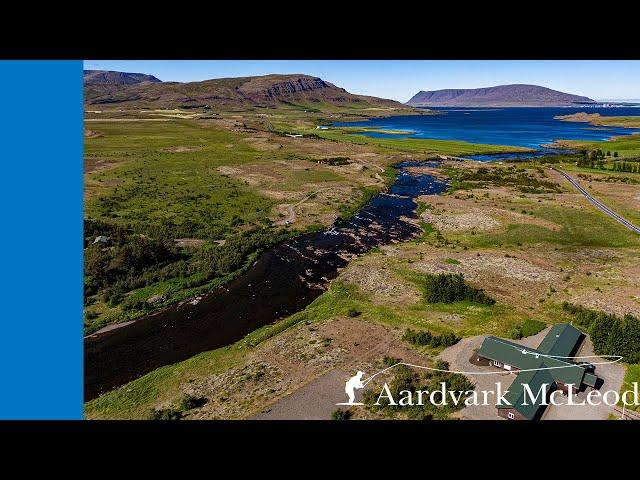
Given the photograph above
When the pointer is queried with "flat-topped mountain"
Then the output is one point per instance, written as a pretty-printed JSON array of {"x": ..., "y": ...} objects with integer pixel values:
[
  {"x": 518, "y": 95},
  {"x": 224, "y": 93}
]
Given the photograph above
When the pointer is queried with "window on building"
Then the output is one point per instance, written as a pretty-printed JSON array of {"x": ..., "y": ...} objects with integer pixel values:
[
  {"x": 497, "y": 363},
  {"x": 511, "y": 415}
]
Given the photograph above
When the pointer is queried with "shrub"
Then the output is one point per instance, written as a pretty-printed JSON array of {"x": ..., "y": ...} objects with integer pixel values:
[
  {"x": 515, "y": 333},
  {"x": 425, "y": 338},
  {"x": 352, "y": 312},
  {"x": 166, "y": 414},
  {"x": 340, "y": 414},
  {"x": 407, "y": 379},
  {"x": 388, "y": 361},
  {"x": 449, "y": 288},
  {"x": 189, "y": 402},
  {"x": 531, "y": 327}
]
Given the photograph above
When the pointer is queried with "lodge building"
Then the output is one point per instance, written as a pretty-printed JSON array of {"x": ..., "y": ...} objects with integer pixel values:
[{"x": 551, "y": 363}]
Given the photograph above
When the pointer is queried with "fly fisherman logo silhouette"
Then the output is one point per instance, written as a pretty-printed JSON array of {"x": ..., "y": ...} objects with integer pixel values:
[{"x": 354, "y": 383}]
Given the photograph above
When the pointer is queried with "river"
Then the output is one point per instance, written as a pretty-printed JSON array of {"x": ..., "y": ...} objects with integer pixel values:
[{"x": 284, "y": 280}]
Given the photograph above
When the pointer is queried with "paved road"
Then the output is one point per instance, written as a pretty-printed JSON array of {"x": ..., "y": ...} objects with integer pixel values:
[{"x": 599, "y": 205}]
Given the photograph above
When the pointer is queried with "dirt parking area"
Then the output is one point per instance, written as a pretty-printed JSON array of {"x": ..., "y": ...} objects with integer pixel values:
[
  {"x": 315, "y": 401},
  {"x": 613, "y": 376}
]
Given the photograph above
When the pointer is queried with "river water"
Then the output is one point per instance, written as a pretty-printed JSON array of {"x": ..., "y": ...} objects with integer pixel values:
[{"x": 284, "y": 280}]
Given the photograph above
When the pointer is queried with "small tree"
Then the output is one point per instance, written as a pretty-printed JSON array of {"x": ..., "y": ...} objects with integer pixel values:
[{"x": 340, "y": 414}]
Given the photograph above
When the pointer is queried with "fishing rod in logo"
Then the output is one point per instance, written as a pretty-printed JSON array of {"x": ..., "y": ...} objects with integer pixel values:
[{"x": 356, "y": 382}]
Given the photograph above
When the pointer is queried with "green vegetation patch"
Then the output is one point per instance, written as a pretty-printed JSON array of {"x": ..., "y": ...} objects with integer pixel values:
[
  {"x": 444, "y": 147},
  {"x": 511, "y": 176},
  {"x": 578, "y": 227},
  {"x": 632, "y": 375},
  {"x": 527, "y": 328},
  {"x": 610, "y": 334},
  {"x": 405, "y": 388},
  {"x": 451, "y": 287},
  {"x": 426, "y": 338},
  {"x": 625, "y": 146}
]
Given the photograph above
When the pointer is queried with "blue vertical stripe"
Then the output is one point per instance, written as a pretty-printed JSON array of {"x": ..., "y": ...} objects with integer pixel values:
[{"x": 41, "y": 362}]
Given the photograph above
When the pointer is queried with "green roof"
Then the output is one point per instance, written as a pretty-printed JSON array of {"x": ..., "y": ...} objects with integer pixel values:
[
  {"x": 539, "y": 366},
  {"x": 561, "y": 340},
  {"x": 507, "y": 352},
  {"x": 518, "y": 397},
  {"x": 525, "y": 358},
  {"x": 590, "y": 379}
]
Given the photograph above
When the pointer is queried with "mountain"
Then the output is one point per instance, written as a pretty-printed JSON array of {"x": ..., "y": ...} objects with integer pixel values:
[
  {"x": 103, "y": 83},
  {"x": 107, "y": 77},
  {"x": 518, "y": 95},
  {"x": 229, "y": 93}
]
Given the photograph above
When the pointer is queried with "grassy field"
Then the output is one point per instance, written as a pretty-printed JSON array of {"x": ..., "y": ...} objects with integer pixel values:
[
  {"x": 632, "y": 375},
  {"x": 165, "y": 174},
  {"x": 627, "y": 146},
  {"x": 427, "y": 146},
  {"x": 201, "y": 183},
  {"x": 577, "y": 228}
]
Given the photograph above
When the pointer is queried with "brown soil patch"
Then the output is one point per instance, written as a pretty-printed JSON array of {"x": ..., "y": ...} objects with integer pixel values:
[
  {"x": 459, "y": 213},
  {"x": 179, "y": 149},
  {"x": 93, "y": 134},
  {"x": 188, "y": 242},
  {"x": 476, "y": 219},
  {"x": 93, "y": 164},
  {"x": 520, "y": 281},
  {"x": 293, "y": 359},
  {"x": 380, "y": 283}
]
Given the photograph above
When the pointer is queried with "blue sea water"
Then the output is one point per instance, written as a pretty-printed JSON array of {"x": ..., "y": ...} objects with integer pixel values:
[{"x": 523, "y": 127}]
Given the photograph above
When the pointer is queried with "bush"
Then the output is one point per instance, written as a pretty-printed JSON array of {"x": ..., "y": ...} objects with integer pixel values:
[
  {"x": 388, "y": 361},
  {"x": 407, "y": 379},
  {"x": 531, "y": 327},
  {"x": 166, "y": 414},
  {"x": 340, "y": 414},
  {"x": 515, "y": 333},
  {"x": 450, "y": 287},
  {"x": 189, "y": 402},
  {"x": 352, "y": 312},
  {"x": 424, "y": 338}
]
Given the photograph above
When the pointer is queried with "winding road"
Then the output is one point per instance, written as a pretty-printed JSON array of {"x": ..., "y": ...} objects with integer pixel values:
[{"x": 597, "y": 203}]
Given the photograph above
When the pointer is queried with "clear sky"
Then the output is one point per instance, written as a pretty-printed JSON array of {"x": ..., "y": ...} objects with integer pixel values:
[{"x": 401, "y": 79}]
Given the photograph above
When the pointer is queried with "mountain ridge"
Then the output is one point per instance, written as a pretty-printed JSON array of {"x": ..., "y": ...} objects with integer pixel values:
[
  {"x": 260, "y": 91},
  {"x": 111, "y": 77},
  {"x": 511, "y": 95}
]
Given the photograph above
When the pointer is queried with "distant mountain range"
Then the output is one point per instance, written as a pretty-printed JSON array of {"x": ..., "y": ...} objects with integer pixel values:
[
  {"x": 103, "y": 87},
  {"x": 518, "y": 95}
]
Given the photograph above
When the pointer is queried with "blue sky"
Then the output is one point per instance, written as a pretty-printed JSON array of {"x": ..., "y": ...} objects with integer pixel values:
[{"x": 401, "y": 79}]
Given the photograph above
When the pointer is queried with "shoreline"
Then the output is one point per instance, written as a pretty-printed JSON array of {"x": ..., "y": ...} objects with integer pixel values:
[{"x": 597, "y": 120}]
